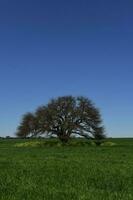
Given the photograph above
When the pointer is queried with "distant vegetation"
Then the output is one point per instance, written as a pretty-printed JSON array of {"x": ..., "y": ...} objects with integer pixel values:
[
  {"x": 56, "y": 143},
  {"x": 64, "y": 117}
]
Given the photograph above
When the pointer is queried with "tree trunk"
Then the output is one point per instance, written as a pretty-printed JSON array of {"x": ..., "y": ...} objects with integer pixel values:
[{"x": 64, "y": 138}]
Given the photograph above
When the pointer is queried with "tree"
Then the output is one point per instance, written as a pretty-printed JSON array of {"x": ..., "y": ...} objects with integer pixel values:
[
  {"x": 28, "y": 126},
  {"x": 63, "y": 117},
  {"x": 68, "y": 115}
]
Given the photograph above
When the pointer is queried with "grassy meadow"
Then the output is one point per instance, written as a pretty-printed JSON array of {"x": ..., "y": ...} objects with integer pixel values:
[{"x": 73, "y": 172}]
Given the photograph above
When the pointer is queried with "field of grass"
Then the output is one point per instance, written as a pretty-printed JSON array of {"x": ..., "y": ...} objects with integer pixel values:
[{"x": 66, "y": 173}]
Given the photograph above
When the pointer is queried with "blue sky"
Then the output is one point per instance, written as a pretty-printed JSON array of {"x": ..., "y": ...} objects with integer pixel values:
[{"x": 51, "y": 48}]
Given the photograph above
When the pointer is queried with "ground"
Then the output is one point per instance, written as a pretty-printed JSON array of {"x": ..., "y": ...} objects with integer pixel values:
[{"x": 66, "y": 173}]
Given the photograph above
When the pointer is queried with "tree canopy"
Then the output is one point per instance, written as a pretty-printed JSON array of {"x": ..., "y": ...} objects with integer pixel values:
[
  {"x": 28, "y": 126},
  {"x": 63, "y": 117}
]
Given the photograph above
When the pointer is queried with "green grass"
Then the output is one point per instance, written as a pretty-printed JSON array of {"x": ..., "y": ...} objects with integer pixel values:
[{"x": 66, "y": 172}]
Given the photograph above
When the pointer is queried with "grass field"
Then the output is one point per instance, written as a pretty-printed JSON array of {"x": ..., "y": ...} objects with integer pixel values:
[{"x": 66, "y": 173}]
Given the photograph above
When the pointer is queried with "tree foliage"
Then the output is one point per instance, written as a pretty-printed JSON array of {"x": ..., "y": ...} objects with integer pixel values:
[
  {"x": 63, "y": 117},
  {"x": 28, "y": 126}
]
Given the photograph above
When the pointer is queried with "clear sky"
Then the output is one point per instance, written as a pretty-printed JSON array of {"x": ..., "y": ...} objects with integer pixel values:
[{"x": 51, "y": 48}]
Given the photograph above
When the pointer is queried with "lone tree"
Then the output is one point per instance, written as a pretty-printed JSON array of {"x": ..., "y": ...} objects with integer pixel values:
[{"x": 63, "y": 117}]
